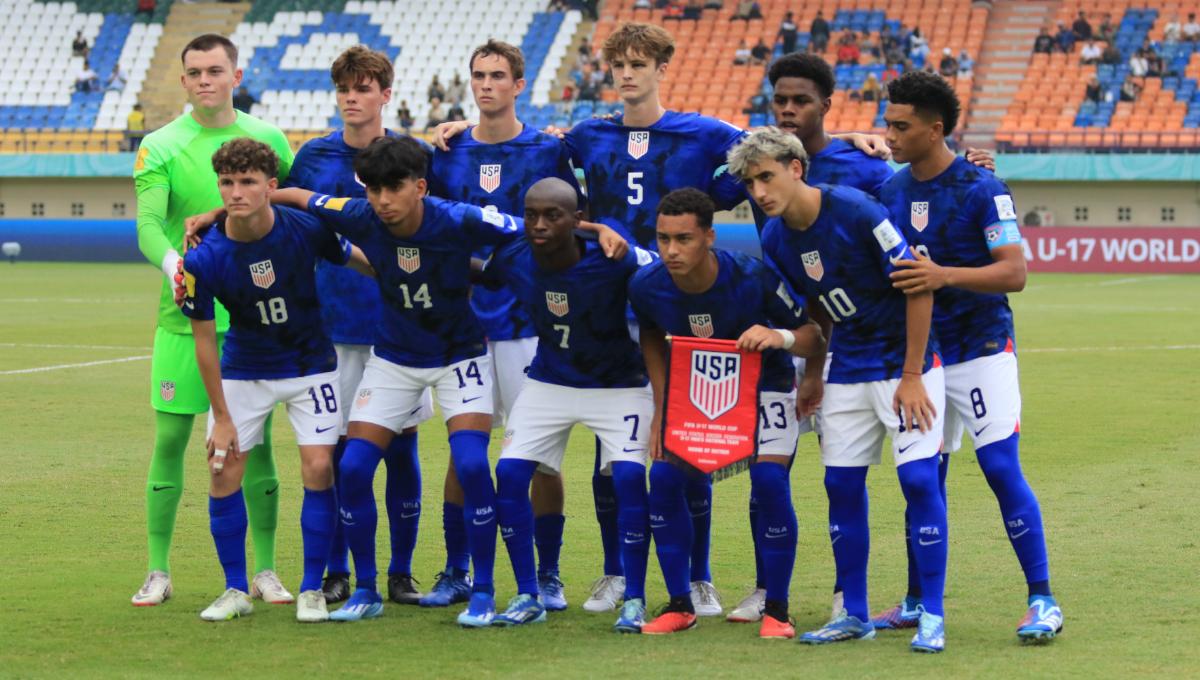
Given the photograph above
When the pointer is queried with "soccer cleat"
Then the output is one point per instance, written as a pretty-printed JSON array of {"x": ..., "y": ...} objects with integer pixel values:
[
  {"x": 904, "y": 615},
  {"x": 336, "y": 588},
  {"x": 266, "y": 587},
  {"x": 772, "y": 628},
  {"x": 931, "y": 634},
  {"x": 480, "y": 611},
  {"x": 550, "y": 589},
  {"x": 669, "y": 622},
  {"x": 633, "y": 616},
  {"x": 363, "y": 604},
  {"x": 705, "y": 599},
  {"x": 750, "y": 609},
  {"x": 448, "y": 588},
  {"x": 156, "y": 590},
  {"x": 843, "y": 627},
  {"x": 402, "y": 589},
  {"x": 230, "y": 605},
  {"x": 607, "y": 592},
  {"x": 522, "y": 609},
  {"x": 310, "y": 607},
  {"x": 1042, "y": 621}
]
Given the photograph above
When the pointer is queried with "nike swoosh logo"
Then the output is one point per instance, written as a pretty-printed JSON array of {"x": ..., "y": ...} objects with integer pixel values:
[
  {"x": 466, "y": 401},
  {"x": 321, "y": 430},
  {"x": 414, "y": 411},
  {"x": 627, "y": 450},
  {"x": 321, "y": 201},
  {"x": 767, "y": 441},
  {"x": 189, "y": 305},
  {"x": 272, "y": 491},
  {"x": 657, "y": 526},
  {"x": 479, "y": 523},
  {"x": 982, "y": 429},
  {"x": 410, "y": 515},
  {"x": 836, "y": 539},
  {"x": 924, "y": 542},
  {"x": 169, "y": 486},
  {"x": 1019, "y": 534},
  {"x": 905, "y": 448},
  {"x": 774, "y": 536},
  {"x": 629, "y": 542}
]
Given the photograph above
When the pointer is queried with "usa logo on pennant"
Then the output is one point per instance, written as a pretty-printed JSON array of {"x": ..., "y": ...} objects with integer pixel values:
[
  {"x": 166, "y": 390},
  {"x": 639, "y": 143},
  {"x": 812, "y": 265},
  {"x": 262, "y": 274},
  {"x": 409, "y": 259},
  {"x": 701, "y": 325},
  {"x": 716, "y": 377},
  {"x": 557, "y": 303},
  {"x": 919, "y": 215},
  {"x": 489, "y": 177}
]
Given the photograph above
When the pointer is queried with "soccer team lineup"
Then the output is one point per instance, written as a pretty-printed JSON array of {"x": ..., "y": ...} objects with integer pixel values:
[{"x": 516, "y": 282}]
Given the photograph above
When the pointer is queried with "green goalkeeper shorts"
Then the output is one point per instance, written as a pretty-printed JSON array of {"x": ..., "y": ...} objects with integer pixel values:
[{"x": 175, "y": 384}]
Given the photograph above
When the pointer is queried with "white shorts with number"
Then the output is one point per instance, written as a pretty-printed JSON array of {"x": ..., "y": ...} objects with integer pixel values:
[
  {"x": 352, "y": 360},
  {"x": 984, "y": 395},
  {"x": 778, "y": 427},
  {"x": 510, "y": 364},
  {"x": 854, "y": 418},
  {"x": 390, "y": 394},
  {"x": 312, "y": 407},
  {"x": 544, "y": 414}
]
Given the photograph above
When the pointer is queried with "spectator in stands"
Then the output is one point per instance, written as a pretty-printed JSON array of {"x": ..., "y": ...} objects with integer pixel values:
[
  {"x": 405, "y": 116},
  {"x": 556, "y": 6},
  {"x": 243, "y": 100},
  {"x": 892, "y": 73},
  {"x": 436, "y": 91},
  {"x": 760, "y": 52},
  {"x": 641, "y": 4},
  {"x": 437, "y": 113},
  {"x": 1065, "y": 39},
  {"x": 1191, "y": 30},
  {"x": 788, "y": 30},
  {"x": 135, "y": 127},
  {"x": 747, "y": 10},
  {"x": 742, "y": 55},
  {"x": 918, "y": 49},
  {"x": 1130, "y": 90},
  {"x": 869, "y": 49},
  {"x": 818, "y": 33},
  {"x": 1173, "y": 30},
  {"x": 1090, "y": 54},
  {"x": 456, "y": 90},
  {"x": 1111, "y": 55},
  {"x": 1081, "y": 27},
  {"x": 568, "y": 92},
  {"x": 948, "y": 66},
  {"x": 1093, "y": 92},
  {"x": 79, "y": 46},
  {"x": 1107, "y": 31},
  {"x": 606, "y": 76},
  {"x": 848, "y": 52},
  {"x": 693, "y": 10},
  {"x": 673, "y": 10},
  {"x": 1043, "y": 43},
  {"x": 966, "y": 65},
  {"x": 714, "y": 4},
  {"x": 1155, "y": 65},
  {"x": 455, "y": 114},
  {"x": 116, "y": 80},
  {"x": 147, "y": 8},
  {"x": 869, "y": 92},
  {"x": 1138, "y": 65},
  {"x": 759, "y": 103},
  {"x": 87, "y": 80}
]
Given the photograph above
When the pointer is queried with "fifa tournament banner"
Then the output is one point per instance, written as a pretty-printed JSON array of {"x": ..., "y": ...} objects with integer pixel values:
[
  {"x": 710, "y": 420},
  {"x": 1119, "y": 250}
]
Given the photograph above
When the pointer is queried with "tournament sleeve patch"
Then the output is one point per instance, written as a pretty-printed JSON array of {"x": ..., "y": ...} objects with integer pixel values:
[
  {"x": 1005, "y": 209},
  {"x": 786, "y": 296},
  {"x": 337, "y": 204},
  {"x": 644, "y": 257},
  {"x": 887, "y": 236},
  {"x": 1003, "y": 233}
]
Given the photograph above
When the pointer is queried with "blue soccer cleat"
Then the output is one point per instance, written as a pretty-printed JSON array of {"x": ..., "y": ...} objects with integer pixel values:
[
  {"x": 904, "y": 615},
  {"x": 479, "y": 612},
  {"x": 550, "y": 589},
  {"x": 522, "y": 609},
  {"x": 931, "y": 634},
  {"x": 449, "y": 587},
  {"x": 633, "y": 615},
  {"x": 1042, "y": 622},
  {"x": 840, "y": 629},
  {"x": 363, "y": 604}
]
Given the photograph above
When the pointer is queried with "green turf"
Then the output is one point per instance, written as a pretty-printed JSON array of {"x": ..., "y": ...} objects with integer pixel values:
[{"x": 1111, "y": 447}]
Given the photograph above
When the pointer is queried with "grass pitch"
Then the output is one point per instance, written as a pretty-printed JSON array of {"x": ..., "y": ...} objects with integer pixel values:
[{"x": 1110, "y": 370}]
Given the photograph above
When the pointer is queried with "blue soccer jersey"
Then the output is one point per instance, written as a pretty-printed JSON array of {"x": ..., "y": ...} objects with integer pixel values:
[
  {"x": 350, "y": 302},
  {"x": 628, "y": 170},
  {"x": 497, "y": 176},
  {"x": 841, "y": 164},
  {"x": 583, "y": 338},
  {"x": 747, "y": 292},
  {"x": 425, "y": 278},
  {"x": 270, "y": 290},
  {"x": 842, "y": 261},
  {"x": 960, "y": 216}
]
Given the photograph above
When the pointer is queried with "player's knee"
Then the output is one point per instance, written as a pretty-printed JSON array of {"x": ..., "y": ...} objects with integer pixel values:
[
  {"x": 357, "y": 467},
  {"x": 919, "y": 479},
  {"x": 769, "y": 481},
  {"x": 513, "y": 478},
  {"x": 629, "y": 481},
  {"x": 845, "y": 485},
  {"x": 666, "y": 480}
]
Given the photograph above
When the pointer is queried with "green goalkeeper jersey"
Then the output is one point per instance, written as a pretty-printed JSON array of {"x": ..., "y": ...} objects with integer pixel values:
[{"x": 174, "y": 179}]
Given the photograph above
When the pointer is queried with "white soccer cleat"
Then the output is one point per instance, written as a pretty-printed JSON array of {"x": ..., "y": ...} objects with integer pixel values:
[
  {"x": 232, "y": 604},
  {"x": 310, "y": 607},
  {"x": 155, "y": 591},
  {"x": 607, "y": 593},
  {"x": 267, "y": 587},
  {"x": 705, "y": 599},
  {"x": 750, "y": 609}
]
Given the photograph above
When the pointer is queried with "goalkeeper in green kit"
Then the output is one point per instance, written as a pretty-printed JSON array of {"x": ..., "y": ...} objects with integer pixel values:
[{"x": 174, "y": 179}]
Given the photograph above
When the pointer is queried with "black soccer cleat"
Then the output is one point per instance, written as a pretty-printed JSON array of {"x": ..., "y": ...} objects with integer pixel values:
[
  {"x": 336, "y": 587},
  {"x": 402, "y": 589}
]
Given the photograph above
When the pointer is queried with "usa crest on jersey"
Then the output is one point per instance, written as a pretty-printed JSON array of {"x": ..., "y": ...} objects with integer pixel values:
[
  {"x": 262, "y": 274},
  {"x": 557, "y": 303},
  {"x": 409, "y": 259},
  {"x": 919, "y": 215},
  {"x": 716, "y": 377},
  {"x": 701, "y": 325},
  {"x": 639, "y": 143},
  {"x": 812, "y": 265},
  {"x": 166, "y": 390},
  {"x": 489, "y": 177}
]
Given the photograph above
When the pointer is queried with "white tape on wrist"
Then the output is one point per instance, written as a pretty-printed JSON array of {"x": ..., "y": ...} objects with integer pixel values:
[
  {"x": 788, "y": 337},
  {"x": 170, "y": 265}
]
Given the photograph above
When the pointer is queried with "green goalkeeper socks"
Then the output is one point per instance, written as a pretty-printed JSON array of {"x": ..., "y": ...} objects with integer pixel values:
[
  {"x": 164, "y": 485},
  {"x": 261, "y": 489}
]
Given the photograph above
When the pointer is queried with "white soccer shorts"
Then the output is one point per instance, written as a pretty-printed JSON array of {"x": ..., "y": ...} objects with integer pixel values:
[
  {"x": 778, "y": 427},
  {"x": 352, "y": 360},
  {"x": 983, "y": 394},
  {"x": 390, "y": 394},
  {"x": 854, "y": 418},
  {"x": 312, "y": 406},
  {"x": 544, "y": 414},
  {"x": 510, "y": 364}
]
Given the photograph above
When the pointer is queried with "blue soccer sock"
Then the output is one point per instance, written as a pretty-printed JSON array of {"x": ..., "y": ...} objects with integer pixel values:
[
  {"x": 1019, "y": 508},
  {"x": 227, "y": 522},
  {"x": 760, "y": 576},
  {"x": 919, "y": 482},
  {"x": 605, "y": 496},
  {"x": 468, "y": 451},
  {"x": 403, "y": 500},
  {"x": 548, "y": 537},
  {"x": 634, "y": 524},
  {"x": 360, "y": 517},
  {"x": 914, "y": 574},
  {"x": 339, "y": 550},
  {"x": 699, "y": 500},
  {"x": 454, "y": 531},
  {"x": 850, "y": 534},
  {"x": 671, "y": 524},
  {"x": 318, "y": 516},
  {"x": 513, "y": 478},
  {"x": 777, "y": 527}
]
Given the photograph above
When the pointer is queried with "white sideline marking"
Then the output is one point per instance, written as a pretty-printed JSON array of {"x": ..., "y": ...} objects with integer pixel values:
[
  {"x": 43, "y": 369},
  {"x": 1132, "y": 279},
  {"x": 1142, "y": 348},
  {"x": 51, "y": 346},
  {"x": 72, "y": 300},
  {"x": 1114, "y": 282}
]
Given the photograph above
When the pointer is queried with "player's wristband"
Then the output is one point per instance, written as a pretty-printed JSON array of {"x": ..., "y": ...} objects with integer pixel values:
[
  {"x": 916, "y": 373},
  {"x": 170, "y": 265},
  {"x": 788, "y": 337}
]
